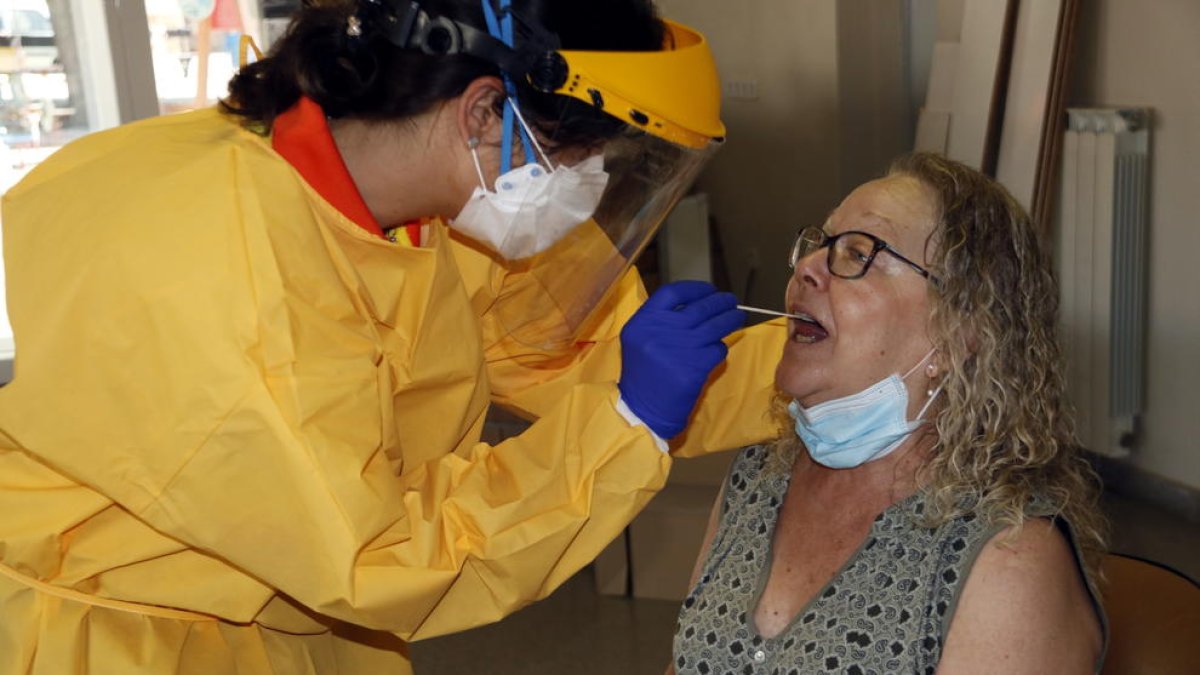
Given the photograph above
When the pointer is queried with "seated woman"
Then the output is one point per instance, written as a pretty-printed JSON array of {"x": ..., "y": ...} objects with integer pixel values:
[{"x": 930, "y": 511}]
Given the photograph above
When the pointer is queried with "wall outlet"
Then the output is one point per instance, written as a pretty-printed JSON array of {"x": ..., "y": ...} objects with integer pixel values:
[{"x": 741, "y": 90}]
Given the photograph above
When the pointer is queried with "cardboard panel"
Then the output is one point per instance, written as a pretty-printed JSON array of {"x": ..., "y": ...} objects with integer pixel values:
[
  {"x": 1030, "y": 84},
  {"x": 665, "y": 540},
  {"x": 933, "y": 122},
  {"x": 933, "y": 131},
  {"x": 611, "y": 567},
  {"x": 940, "y": 95},
  {"x": 976, "y": 80},
  {"x": 1052, "y": 130},
  {"x": 706, "y": 470}
]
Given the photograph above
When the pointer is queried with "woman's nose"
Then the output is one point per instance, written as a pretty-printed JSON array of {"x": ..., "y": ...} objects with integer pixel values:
[{"x": 811, "y": 270}]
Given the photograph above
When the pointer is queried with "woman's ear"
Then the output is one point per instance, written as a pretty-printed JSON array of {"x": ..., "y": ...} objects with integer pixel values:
[
  {"x": 932, "y": 370},
  {"x": 477, "y": 105}
]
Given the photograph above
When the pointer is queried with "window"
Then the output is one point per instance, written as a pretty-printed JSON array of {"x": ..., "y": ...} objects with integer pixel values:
[{"x": 50, "y": 94}]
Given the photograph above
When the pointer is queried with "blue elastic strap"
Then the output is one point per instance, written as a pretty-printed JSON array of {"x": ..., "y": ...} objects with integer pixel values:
[{"x": 502, "y": 29}]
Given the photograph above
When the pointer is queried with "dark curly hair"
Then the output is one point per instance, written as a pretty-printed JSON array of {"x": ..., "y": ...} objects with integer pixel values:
[{"x": 367, "y": 77}]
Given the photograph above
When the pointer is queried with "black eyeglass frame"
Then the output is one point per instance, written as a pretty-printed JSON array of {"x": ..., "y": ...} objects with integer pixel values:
[{"x": 827, "y": 241}]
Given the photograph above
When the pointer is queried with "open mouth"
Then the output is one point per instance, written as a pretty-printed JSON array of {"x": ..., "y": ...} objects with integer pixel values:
[{"x": 806, "y": 329}]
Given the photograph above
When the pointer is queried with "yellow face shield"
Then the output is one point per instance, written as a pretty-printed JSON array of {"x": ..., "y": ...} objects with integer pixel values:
[
  {"x": 673, "y": 93},
  {"x": 670, "y": 102}
]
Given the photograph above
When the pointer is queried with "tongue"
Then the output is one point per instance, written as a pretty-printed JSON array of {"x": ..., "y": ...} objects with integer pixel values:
[{"x": 810, "y": 331}]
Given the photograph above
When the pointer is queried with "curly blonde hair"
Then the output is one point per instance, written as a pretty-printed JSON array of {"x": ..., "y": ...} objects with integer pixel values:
[{"x": 1005, "y": 433}]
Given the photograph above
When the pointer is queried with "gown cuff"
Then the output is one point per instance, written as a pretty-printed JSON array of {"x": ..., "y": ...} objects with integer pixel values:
[{"x": 634, "y": 421}]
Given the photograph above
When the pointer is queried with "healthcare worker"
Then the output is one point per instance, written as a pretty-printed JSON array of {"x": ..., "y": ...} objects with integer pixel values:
[{"x": 256, "y": 343}]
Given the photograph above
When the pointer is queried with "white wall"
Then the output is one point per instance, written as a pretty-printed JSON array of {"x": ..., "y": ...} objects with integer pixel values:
[
  {"x": 876, "y": 115},
  {"x": 778, "y": 171},
  {"x": 1132, "y": 52}
]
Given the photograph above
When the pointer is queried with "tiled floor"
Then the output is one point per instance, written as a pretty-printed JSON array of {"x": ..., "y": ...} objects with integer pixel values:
[{"x": 579, "y": 632}]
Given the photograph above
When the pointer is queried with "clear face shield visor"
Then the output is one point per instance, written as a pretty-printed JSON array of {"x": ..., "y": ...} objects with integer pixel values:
[
  {"x": 670, "y": 101},
  {"x": 549, "y": 300}
]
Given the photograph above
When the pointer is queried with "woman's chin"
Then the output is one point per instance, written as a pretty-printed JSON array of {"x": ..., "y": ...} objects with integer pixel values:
[{"x": 793, "y": 382}]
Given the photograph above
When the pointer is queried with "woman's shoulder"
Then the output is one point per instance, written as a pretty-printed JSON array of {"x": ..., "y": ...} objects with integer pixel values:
[{"x": 1026, "y": 603}]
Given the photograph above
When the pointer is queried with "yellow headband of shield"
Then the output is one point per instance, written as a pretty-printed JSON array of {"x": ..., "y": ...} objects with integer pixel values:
[{"x": 674, "y": 93}]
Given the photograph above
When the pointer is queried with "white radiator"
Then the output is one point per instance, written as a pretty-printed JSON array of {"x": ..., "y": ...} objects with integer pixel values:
[{"x": 1101, "y": 259}]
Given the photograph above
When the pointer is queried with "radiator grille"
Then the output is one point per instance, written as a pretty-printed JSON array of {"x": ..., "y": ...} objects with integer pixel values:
[{"x": 1102, "y": 254}]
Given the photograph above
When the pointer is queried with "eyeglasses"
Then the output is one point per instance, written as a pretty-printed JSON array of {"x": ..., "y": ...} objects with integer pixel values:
[{"x": 850, "y": 253}]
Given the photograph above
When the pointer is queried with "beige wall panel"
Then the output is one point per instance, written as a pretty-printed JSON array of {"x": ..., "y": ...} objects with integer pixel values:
[
  {"x": 1029, "y": 85},
  {"x": 933, "y": 131},
  {"x": 975, "y": 79}
]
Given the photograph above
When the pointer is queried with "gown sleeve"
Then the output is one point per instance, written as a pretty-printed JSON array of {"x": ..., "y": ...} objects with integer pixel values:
[
  {"x": 217, "y": 388},
  {"x": 738, "y": 407},
  {"x": 735, "y": 409},
  {"x": 161, "y": 366},
  {"x": 460, "y": 541},
  {"x": 528, "y": 380}
]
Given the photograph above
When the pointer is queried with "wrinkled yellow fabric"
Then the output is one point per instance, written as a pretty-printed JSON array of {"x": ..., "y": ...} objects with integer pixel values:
[
  {"x": 243, "y": 433},
  {"x": 735, "y": 409},
  {"x": 231, "y": 401},
  {"x": 528, "y": 379}
]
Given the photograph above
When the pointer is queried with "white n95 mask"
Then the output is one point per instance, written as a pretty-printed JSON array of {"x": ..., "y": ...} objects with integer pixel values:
[{"x": 532, "y": 208}]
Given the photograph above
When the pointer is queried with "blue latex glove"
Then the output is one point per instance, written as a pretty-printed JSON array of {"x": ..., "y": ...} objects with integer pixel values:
[{"x": 669, "y": 347}]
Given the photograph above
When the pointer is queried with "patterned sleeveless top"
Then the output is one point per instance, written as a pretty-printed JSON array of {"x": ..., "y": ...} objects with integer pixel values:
[{"x": 886, "y": 611}]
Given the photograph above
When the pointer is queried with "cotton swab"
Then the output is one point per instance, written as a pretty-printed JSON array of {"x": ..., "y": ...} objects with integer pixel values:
[{"x": 770, "y": 312}]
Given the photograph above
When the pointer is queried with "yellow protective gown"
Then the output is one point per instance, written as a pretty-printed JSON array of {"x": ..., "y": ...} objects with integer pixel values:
[{"x": 243, "y": 433}]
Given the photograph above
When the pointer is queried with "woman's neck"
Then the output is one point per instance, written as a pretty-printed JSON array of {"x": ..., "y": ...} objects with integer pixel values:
[
  {"x": 876, "y": 485},
  {"x": 401, "y": 170}
]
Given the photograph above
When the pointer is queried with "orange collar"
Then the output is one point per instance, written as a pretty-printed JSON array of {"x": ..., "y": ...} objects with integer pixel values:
[{"x": 301, "y": 135}]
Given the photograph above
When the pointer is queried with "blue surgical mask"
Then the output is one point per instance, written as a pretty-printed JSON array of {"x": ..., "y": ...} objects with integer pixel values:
[{"x": 853, "y": 430}]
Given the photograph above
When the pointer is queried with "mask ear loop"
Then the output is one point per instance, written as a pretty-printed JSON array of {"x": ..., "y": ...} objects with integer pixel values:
[
  {"x": 928, "y": 402},
  {"x": 919, "y": 364},
  {"x": 506, "y": 140},
  {"x": 529, "y": 135},
  {"x": 473, "y": 143},
  {"x": 933, "y": 394}
]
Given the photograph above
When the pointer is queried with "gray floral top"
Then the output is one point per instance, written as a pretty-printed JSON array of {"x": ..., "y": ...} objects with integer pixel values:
[{"x": 886, "y": 611}]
